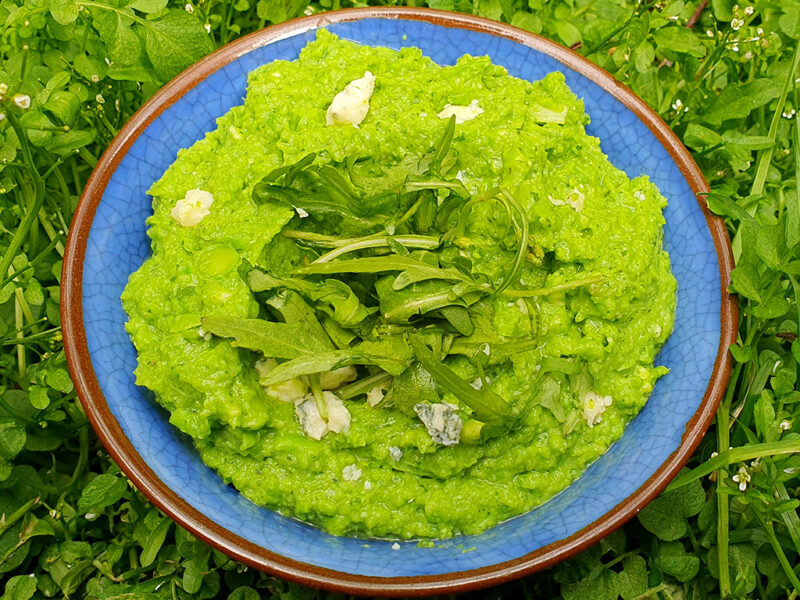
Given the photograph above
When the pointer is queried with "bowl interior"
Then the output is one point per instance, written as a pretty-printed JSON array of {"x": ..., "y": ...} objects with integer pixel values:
[{"x": 117, "y": 245}]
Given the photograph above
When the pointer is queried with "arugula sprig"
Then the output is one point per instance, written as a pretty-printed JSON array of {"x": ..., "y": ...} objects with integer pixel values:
[{"x": 388, "y": 291}]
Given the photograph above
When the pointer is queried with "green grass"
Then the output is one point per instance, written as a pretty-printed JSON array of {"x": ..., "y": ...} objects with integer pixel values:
[{"x": 723, "y": 77}]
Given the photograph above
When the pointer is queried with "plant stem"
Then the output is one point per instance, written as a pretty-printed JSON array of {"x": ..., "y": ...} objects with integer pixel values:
[
  {"x": 769, "y": 528},
  {"x": 553, "y": 289},
  {"x": 38, "y": 198},
  {"x": 412, "y": 241},
  {"x": 18, "y": 514}
]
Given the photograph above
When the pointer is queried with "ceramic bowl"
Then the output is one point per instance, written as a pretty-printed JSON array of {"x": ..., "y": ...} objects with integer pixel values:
[{"x": 108, "y": 241}]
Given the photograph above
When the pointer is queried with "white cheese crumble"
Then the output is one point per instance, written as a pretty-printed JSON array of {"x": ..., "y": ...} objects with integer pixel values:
[
  {"x": 574, "y": 199},
  {"x": 395, "y": 453},
  {"x": 288, "y": 391},
  {"x": 338, "y": 415},
  {"x": 367, "y": 485},
  {"x": 351, "y": 105},
  {"x": 301, "y": 213},
  {"x": 351, "y": 473},
  {"x": 333, "y": 379},
  {"x": 314, "y": 426},
  {"x": 263, "y": 367},
  {"x": 376, "y": 395},
  {"x": 594, "y": 405},
  {"x": 462, "y": 113},
  {"x": 310, "y": 420},
  {"x": 192, "y": 208},
  {"x": 395, "y": 546},
  {"x": 441, "y": 421},
  {"x": 639, "y": 195}
]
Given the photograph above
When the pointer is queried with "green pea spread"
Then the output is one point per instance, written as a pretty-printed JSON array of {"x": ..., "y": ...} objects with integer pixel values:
[{"x": 400, "y": 300}]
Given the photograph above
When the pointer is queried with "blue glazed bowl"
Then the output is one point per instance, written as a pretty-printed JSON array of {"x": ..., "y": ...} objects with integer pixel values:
[{"x": 108, "y": 242}]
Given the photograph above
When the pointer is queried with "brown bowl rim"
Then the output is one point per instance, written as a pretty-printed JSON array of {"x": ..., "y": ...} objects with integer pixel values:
[{"x": 123, "y": 452}]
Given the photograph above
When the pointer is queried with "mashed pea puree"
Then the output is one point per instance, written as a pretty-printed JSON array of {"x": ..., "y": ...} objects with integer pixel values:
[{"x": 400, "y": 300}]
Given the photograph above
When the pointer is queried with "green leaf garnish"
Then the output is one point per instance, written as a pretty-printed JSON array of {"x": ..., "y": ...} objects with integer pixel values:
[{"x": 487, "y": 405}]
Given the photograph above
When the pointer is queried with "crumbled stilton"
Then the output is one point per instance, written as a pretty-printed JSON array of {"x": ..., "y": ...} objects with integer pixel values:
[
  {"x": 351, "y": 105},
  {"x": 442, "y": 422},
  {"x": 193, "y": 208},
  {"x": 594, "y": 405},
  {"x": 314, "y": 426},
  {"x": 462, "y": 113},
  {"x": 330, "y": 380},
  {"x": 310, "y": 420},
  {"x": 395, "y": 453},
  {"x": 351, "y": 473}
]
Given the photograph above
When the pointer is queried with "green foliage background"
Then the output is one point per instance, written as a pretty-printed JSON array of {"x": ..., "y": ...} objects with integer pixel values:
[{"x": 723, "y": 76}]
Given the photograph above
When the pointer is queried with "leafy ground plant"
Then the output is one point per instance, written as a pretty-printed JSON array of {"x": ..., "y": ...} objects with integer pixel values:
[{"x": 723, "y": 75}]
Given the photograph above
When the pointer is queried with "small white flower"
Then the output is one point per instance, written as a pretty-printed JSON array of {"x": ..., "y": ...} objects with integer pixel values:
[
  {"x": 785, "y": 425},
  {"x": 742, "y": 478},
  {"x": 709, "y": 33},
  {"x": 207, "y": 27},
  {"x": 714, "y": 454},
  {"x": 760, "y": 31},
  {"x": 95, "y": 78},
  {"x": 789, "y": 114},
  {"x": 108, "y": 61},
  {"x": 100, "y": 99},
  {"x": 2, "y": 116},
  {"x": 22, "y": 101},
  {"x": 677, "y": 105},
  {"x": 90, "y": 516},
  {"x": 735, "y": 48},
  {"x": 189, "y": 8},
  {"x": 351, "y": 473},
  {"x": 747, "y": 55},
  {"x": 749, "y": 10},
  {"x": 737, "y": 23},
  {"x": 308, "y": 11}
]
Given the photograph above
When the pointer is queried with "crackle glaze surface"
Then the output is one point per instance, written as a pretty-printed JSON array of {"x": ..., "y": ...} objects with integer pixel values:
[{"x": 117, "y": 246}]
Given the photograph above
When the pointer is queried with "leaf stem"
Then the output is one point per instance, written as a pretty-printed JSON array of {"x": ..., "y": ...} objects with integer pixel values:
[
  {"x": 412, "y": 241},
  {"x": 18, "y": 514},
  {"x": 769, "y": 529},
  {"x": 764, "y": 157},
  {"x": 554, "y": 289},
  {"x": 38, "y": 199},
  {"x": 362, "y": 386},
  {"x": 735, "y": 455},
  {"x": 103, "y": 6}
]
